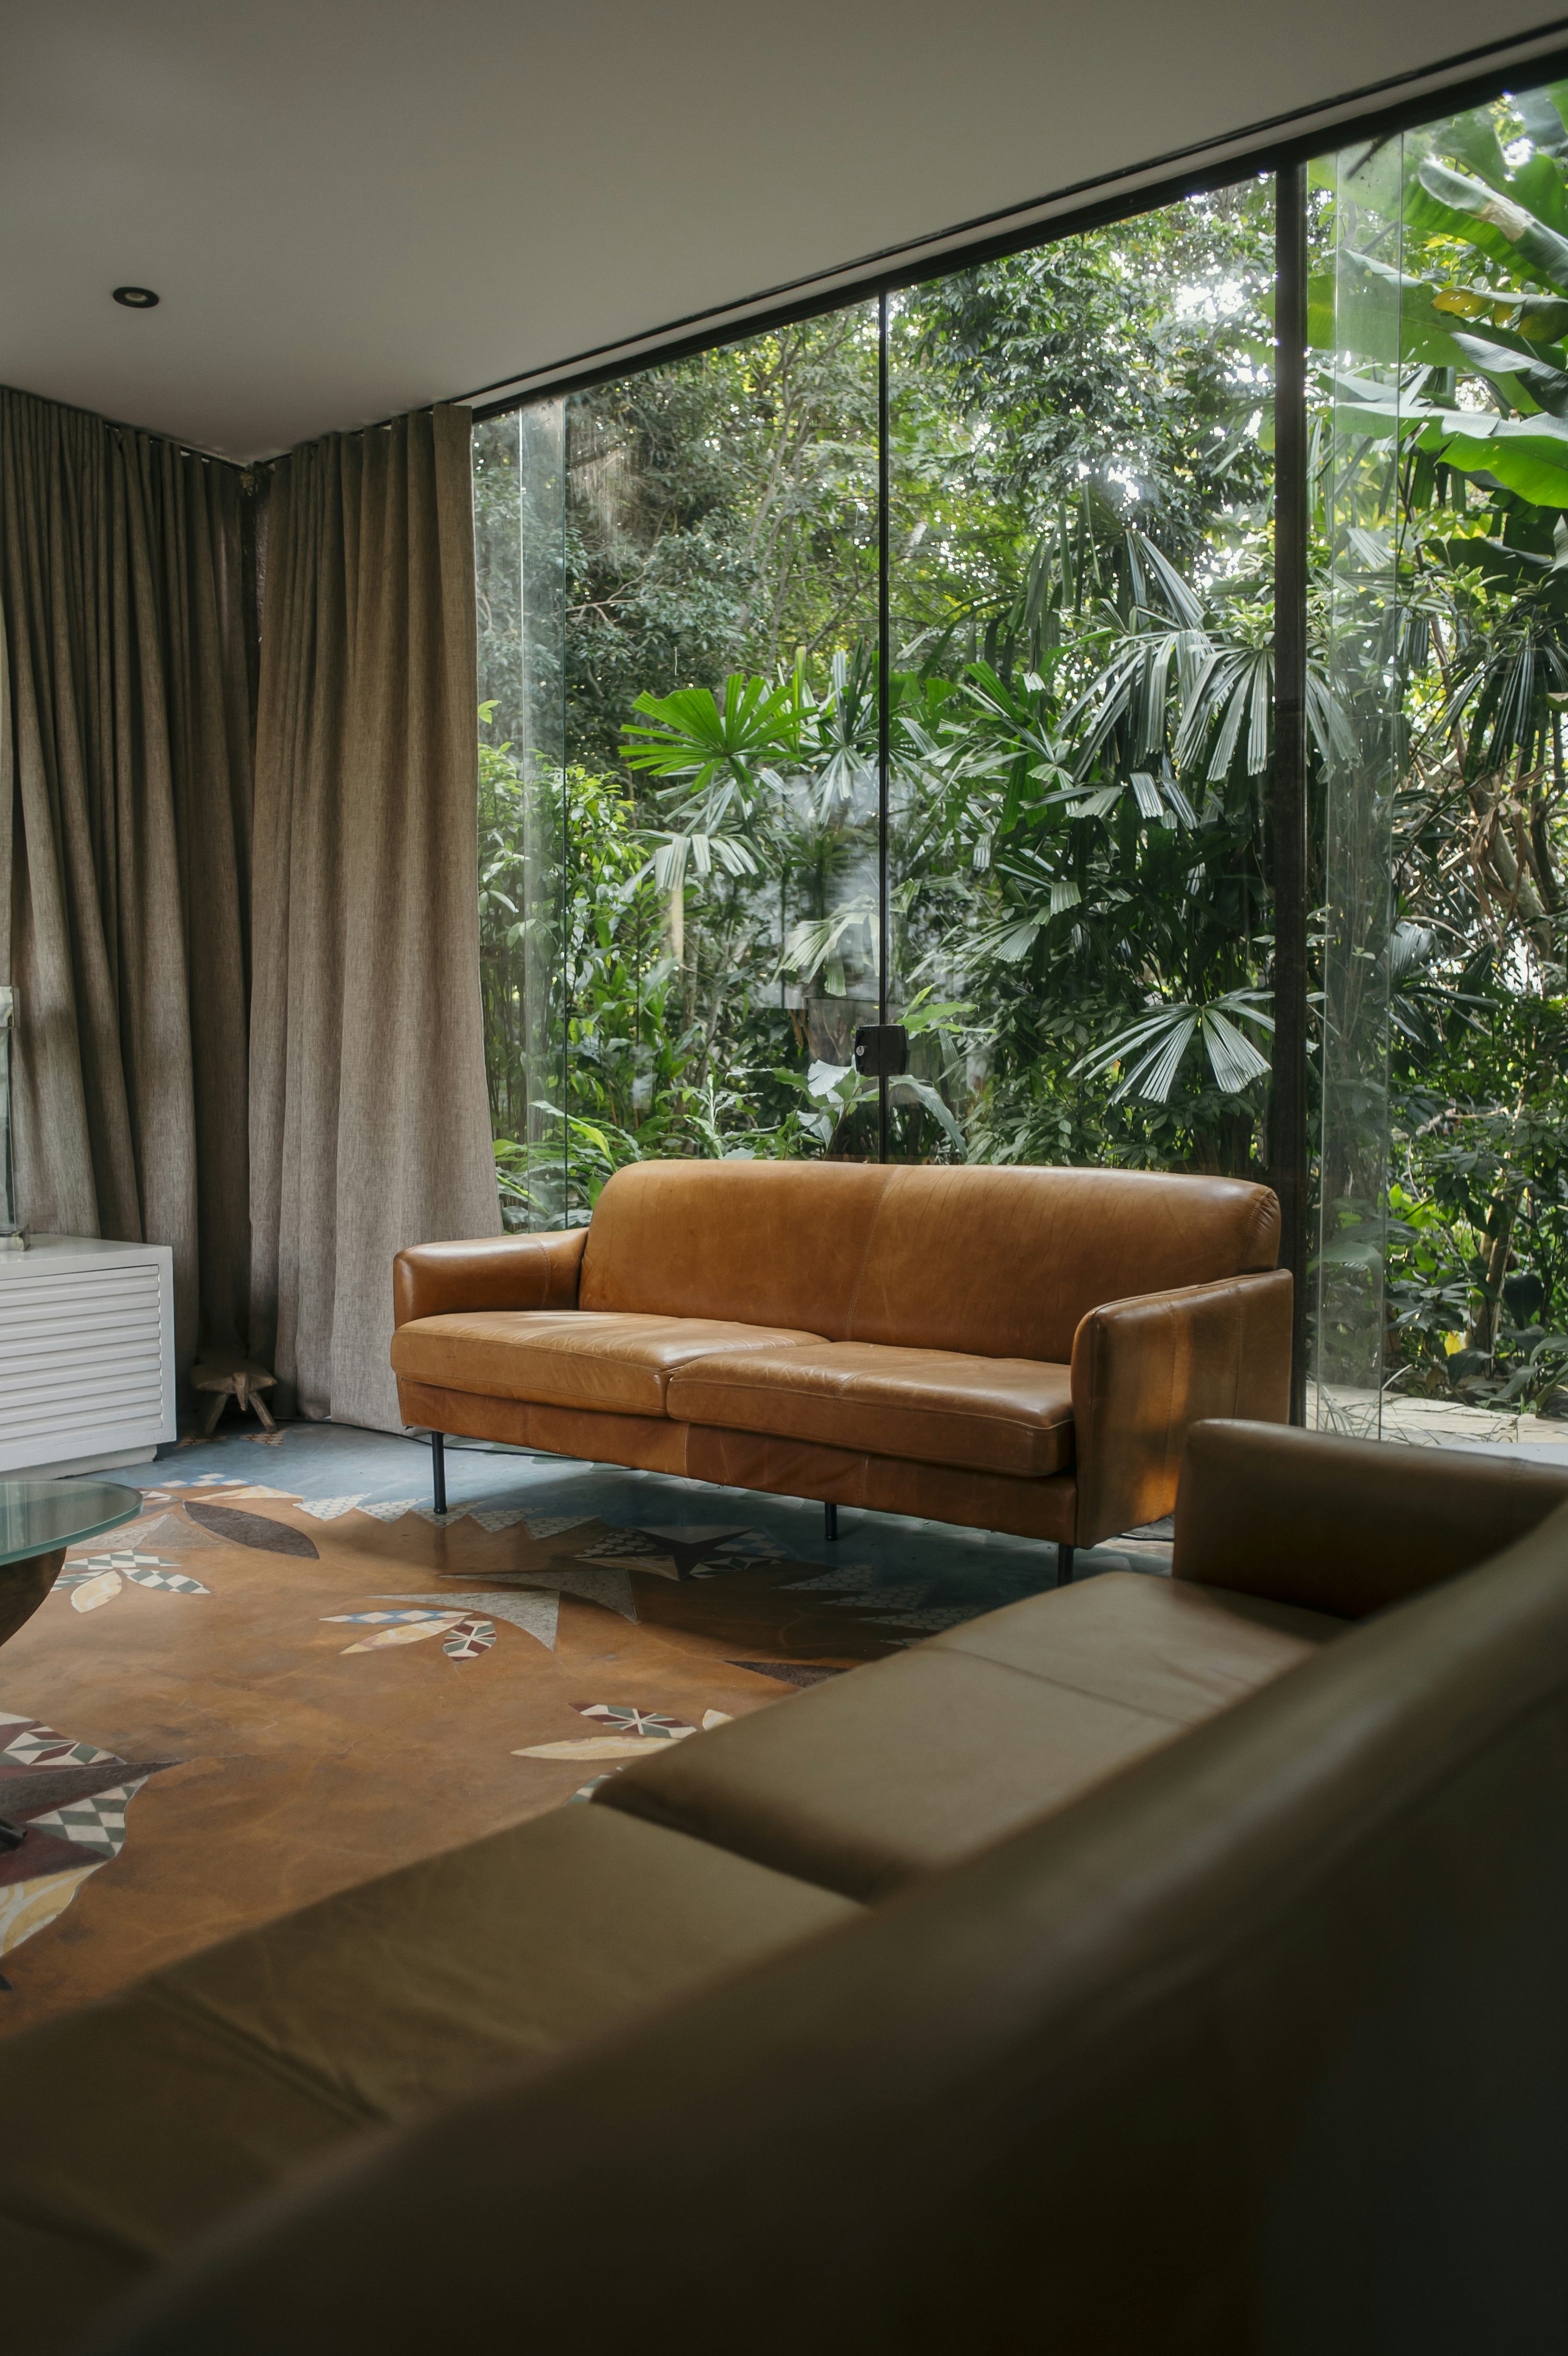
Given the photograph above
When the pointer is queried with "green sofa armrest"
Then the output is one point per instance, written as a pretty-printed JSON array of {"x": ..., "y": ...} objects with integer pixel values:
[{"x": 1345, "y": 1526}]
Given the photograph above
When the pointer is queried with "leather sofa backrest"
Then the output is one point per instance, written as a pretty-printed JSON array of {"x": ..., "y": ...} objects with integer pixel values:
[
  {"x": 999, "y": 1262},
  {"x": 1006, "y": 1262},
  {"x": 1259, "y": 2046},
  {"x": 766, "y": 1243}
]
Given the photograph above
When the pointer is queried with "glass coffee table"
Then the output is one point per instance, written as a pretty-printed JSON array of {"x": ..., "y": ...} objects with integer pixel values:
[{"x": 38, "y": 1520}]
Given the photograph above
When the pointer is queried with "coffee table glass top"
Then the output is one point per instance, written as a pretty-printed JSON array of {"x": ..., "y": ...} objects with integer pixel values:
[{"x": 37, "y": 1516}]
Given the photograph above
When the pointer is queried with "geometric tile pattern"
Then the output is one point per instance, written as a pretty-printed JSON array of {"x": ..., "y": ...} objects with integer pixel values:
[
  {"x": 619, "y": 1718},
  {"x": 468, "y": 1639},
  {"x": 71, "y": 1797}
]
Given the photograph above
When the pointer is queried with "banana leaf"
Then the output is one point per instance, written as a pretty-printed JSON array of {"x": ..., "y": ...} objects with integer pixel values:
[
  {"x": 1444, "y": 203},
  {"x": 1542, "y": 118},
  {"x": 1363, "y": 306},
  {"x": 1472, "y": 140},
  {"x": 1538, "y": 187},
  {"x": 1542, "y": 386},
  {"x": 1525, "y": 454}
]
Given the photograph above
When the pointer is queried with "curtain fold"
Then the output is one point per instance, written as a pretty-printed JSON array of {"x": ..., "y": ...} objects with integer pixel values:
[
  {"x": 125, "y": 846},
  {"x": 369, "y": 1118}
]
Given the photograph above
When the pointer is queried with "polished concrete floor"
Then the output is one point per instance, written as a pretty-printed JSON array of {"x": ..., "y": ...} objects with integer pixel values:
[{"x": 290, "y": 1674}]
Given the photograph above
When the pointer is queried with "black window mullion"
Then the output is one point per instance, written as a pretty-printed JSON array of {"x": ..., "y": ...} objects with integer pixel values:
[{"x": 884, "y": 708}]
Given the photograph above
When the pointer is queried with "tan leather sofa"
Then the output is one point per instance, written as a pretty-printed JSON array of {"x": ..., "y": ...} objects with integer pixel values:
[
  {"x": 1151, "y": 1967},
  {"x": 1018, "y": 1350}
]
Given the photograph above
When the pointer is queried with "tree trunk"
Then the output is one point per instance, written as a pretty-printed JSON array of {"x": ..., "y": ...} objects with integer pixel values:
[{"x": 1486, "y": 1316}]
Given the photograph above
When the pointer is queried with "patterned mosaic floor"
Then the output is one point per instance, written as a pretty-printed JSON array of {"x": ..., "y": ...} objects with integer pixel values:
[{"x": 301, "y": 1676}]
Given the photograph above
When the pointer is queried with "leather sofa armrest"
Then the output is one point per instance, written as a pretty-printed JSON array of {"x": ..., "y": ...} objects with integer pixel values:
[
  {"x": 494, "y": 1272},
  {"x": 1345, "y": 1526},
  {"x": 1146, "y": 1369}
]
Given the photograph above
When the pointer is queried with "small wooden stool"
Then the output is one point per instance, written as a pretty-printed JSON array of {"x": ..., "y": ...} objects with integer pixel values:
[{"x": 226, "y": 1376}]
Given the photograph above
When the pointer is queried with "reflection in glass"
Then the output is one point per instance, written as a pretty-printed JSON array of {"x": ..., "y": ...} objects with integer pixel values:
[
  {"x": 1362, "y": 520},
  {"x": 518, "y": 540},
  {"x": 1444, "y": 1277}
]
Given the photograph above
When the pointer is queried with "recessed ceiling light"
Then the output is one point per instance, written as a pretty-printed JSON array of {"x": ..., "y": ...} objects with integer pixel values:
[{"x": 136, "y": 298}]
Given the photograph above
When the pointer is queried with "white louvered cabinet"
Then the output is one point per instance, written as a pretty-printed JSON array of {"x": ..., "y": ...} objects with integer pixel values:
[{"x": 87, "y": 1358}]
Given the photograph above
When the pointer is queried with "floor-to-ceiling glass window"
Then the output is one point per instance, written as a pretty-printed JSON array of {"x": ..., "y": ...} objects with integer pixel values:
[{"x": 1441, "y": 320}]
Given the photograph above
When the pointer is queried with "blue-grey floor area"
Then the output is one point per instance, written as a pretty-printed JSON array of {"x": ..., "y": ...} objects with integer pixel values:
[{"x": 956, "y": 1570}]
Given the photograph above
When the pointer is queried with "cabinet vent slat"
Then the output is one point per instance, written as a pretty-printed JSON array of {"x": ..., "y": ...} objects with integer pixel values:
[
  {"x": 83, "y": 1419},
  {"x": 97, "y": 1286},
  {"x": 35, "y": 1361},
  {"x": 42, "y": 1404},
  {"x": 83, "y": 1361}
]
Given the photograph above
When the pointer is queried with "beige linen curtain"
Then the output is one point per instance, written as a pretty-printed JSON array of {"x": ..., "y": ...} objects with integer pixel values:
[
  {"x": 124, "y": 827},
  {"x": 370, "y": 1121}
]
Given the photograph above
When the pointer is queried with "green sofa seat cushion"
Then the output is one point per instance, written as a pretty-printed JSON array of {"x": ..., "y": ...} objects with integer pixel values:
[
  {"x": 135, "y": 2125},
  {"x": 912, "y": 1764}
]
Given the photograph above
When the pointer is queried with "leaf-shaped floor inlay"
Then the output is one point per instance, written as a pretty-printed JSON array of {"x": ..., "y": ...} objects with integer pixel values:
[
  {"x": 596, "y": 1746},
  {"x": 256, "y": 1530},
  {"x": 174, "y": 1530},
  {"x": 790, "y": 1673},
  {"x": 98, "y": 1587},
  {"x": 23, "y": 1789}
]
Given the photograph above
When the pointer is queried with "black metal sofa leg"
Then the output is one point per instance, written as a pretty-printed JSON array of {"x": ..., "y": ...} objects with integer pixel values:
[
  {"x": 830, "y": 1522},
  {"x": 1065, "y": 1555},
  {"x": 438, "y": 1469}
]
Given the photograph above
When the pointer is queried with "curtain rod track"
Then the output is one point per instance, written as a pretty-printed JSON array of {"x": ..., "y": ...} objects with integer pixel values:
[{"x": 1469, "y": 78}]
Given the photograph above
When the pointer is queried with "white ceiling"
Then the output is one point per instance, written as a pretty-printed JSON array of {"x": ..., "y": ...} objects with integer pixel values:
[{"x": 353, "y": 207}]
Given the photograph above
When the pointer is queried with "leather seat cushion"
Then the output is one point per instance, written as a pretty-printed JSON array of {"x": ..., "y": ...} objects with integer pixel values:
[
  {"x": 137, "y": 2123},
  {"x": 871, "y": 1781},
  {"x": 620, "y": 1362},
  {"x": 937, "y": 1407}
]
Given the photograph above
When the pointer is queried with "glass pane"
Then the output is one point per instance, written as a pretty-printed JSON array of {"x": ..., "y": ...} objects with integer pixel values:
[
  {"x": 1445, "y": 1273},
  {"x": 1082, "y": 617},
  {"x": 722, "y": 727},
  {"x": 519, "y": 542},
  {"x": 1360, "y": 753}
]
